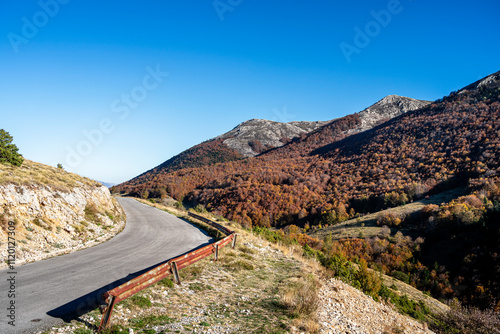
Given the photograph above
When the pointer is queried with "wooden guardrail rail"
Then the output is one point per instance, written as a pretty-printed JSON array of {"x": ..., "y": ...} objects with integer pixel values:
[{"x": 160, "y": 272}]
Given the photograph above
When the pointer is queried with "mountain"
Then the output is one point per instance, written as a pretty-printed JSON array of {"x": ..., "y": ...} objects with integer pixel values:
[
  {"x": 255, "y": 136},
  {"x": 106, "y": 184},
  {"x": 264, "y": 137},
  {"x": 246, "y": 140},
  {"x": 328, "y": 170},
  {"x": 339, "y": 172},
  {"x": 389, "y": 107}
]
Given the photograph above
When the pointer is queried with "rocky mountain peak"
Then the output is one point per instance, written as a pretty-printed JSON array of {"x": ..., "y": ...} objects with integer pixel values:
[
  {"x": 253, "y": 136},
  {"x": 491, "y": 81},
  {"x": 389, "y": 107}
]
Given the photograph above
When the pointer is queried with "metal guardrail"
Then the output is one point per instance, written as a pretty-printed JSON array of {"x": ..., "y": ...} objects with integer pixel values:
[{"x": 172, "y": 267}]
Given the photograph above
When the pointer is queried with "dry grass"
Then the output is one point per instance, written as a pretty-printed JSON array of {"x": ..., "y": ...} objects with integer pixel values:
[
  {"x": 414, "y": 294},
  {"x": 257, "y": 287},
  {"x": 30, "y": 173},
  {"x": 300, "y": 298},
  {"x": 366, "y": 226}
]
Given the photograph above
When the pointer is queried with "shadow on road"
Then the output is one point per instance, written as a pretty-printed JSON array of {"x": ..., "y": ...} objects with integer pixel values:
[{"x": 89, "y": 302}]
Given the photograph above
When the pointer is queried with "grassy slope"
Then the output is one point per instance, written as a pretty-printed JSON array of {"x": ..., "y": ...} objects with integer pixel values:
[
  {"x": 367, "y": 225},
  {"x": 246, "y": 291},
  {"x": 401, "y": 288},
  {"x": 31, "y": 172},
  {"x": 242, "y": 293}
]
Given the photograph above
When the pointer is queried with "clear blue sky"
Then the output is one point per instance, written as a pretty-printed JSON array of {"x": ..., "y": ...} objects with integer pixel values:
[{"x": 73, "y": 66}]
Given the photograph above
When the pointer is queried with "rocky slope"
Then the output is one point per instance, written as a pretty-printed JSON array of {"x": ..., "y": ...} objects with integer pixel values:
[
  {"x": 53, "y": 211},
  {"x": 389, "y": 107},
  {"x": 344, "y": 309},
  {"x": 252, "y": 137},
  {"x": 256, "y": 135},
  {"x": 489, "y": 82},
  {"x": 250, "y": 289}
]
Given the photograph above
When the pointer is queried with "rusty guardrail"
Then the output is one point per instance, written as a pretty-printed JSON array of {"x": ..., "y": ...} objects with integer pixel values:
[{"x": 172, "y": 267}]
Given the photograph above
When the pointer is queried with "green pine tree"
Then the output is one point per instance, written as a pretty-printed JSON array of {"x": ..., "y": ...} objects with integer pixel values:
[{"x": 8, "y": 151}]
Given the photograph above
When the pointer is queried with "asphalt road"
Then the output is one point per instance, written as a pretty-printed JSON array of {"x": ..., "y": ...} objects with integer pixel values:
[{"x": 59, "y": 289}]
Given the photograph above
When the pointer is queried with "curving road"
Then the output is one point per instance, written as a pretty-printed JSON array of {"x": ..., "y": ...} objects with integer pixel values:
[{"x": 59, "y": 289}]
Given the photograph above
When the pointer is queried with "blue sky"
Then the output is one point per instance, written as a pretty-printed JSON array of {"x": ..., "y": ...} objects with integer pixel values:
[{"x": 111, "y": 89}]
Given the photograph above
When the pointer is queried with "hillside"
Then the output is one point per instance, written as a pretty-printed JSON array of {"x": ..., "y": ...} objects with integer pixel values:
[
  {"x": 441, "y": 145},
  {"x": 259, "y": 287},
  {"x": 54, "y": 211},
  {"x": 255, "y": 136},
  {"x": 389, "y": 107},
  {"x": 272, "y": 139},
  {"x": 451, "y": 143},
  {"x": 248, "y": 139}
]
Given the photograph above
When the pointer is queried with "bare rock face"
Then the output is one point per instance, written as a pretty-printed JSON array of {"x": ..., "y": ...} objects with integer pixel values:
[
  {"x": 50, "y": 222},
  {"x": 256, "y": 135},
  {"x": 491, "y": 81},
  {"x": 389, "y": 107},
  {"x": 251, "y": 137}
]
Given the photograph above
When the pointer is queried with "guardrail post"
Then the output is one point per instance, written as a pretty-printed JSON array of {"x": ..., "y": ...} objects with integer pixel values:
[
  {"x": 154, "y": 275},
  {"x": 234, "y": 241},
  {"x": 175, "y": 272},
  {"x": 106, "y": 313},
  {"x": 216, "y": 252}
]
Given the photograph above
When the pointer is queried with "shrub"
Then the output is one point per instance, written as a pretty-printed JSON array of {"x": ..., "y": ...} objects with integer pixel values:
[
  {"x": 91, "y": 213},
  {"x": 468, "y": 320},
  {"x": 389, "y": 219},
  {"x": 200, "y": 208},
  {"x": 301, "y": 298},
  {"x": 274, "y": 236},
  {"x": 400, "y": 276},
  {"x": 417, "y": 310},
  {"x": 367, "y": 281}
]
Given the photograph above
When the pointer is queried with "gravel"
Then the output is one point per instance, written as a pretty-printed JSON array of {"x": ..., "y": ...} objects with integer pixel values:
[{"x": 344, "y": 309}]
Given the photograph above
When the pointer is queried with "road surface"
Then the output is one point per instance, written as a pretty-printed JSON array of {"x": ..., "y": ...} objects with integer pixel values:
[{"x": 59, "y": 289}]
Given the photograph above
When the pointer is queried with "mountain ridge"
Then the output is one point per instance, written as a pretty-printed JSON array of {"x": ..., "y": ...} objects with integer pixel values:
[
  {"x": 415, "y": 136},
  {"x": 329, "y": 176},
  {"x": 259, "y": 137}
]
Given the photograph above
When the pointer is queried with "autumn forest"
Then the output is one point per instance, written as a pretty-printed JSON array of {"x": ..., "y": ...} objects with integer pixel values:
[{"x": 334, "y": 174}]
